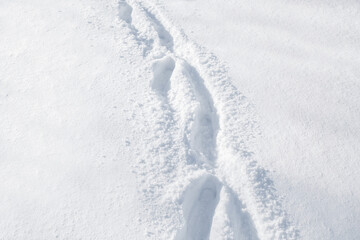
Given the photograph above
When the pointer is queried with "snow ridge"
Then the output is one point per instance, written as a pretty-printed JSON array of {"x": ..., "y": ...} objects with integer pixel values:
[{"x": 200, "y": 178}]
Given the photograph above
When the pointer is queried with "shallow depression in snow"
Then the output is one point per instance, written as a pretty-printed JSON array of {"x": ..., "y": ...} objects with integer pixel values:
[{"x": 199, "y": 204}]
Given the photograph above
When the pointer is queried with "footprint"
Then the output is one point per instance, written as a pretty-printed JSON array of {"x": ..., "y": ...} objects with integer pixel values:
[
  {"x": 165, "y": 37},
  {"x": 162, "y": 71},
  {"x": 199, "y": 206},
  {"x": 206, "y": 124},
  {"x": 124, "y": 12},
  {"x": 197, "y": 113}
]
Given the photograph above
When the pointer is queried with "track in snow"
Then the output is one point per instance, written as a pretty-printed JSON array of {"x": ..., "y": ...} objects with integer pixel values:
[
  {"x": 214, "y": 196},
  {"x": 199, "y": 207},
  {"x": 199, "y": 117},
  {"x": 124, "y": 12},
  {"x": 165, "y": 37},
  {"x": 162, "y": 71}
]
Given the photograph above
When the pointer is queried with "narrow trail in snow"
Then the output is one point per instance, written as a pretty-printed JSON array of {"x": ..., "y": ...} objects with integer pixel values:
[
  {"x": 201, "y": 122},
  {"x": 232, "y": 198}
]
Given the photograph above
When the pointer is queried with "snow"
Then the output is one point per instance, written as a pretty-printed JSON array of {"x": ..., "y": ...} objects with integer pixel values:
[
  {"x": 118, "y": 122},
  {"x": 297, "y": 62},
  {"x": 65, "y": 168}
]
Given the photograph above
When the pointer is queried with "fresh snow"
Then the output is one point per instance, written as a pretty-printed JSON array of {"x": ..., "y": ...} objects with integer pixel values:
[
  {"x": 298, "y": 63},
  {"x": 118, "y": 122}
]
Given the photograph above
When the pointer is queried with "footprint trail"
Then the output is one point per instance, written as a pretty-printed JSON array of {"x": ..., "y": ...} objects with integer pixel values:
[{"x": 203, "y": 134}]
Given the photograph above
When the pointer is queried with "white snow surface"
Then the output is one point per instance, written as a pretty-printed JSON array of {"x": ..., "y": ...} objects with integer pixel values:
[
  {"x": 298, "y": 63},
  {"x": 118, "y": 121}
]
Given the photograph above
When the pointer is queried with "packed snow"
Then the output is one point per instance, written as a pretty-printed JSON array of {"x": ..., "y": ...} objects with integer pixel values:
[{"x": 182, "y": 119}]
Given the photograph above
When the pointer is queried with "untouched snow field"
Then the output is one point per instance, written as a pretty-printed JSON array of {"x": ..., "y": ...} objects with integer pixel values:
[
  {"x": 117, "y": 123},
  {"x": 66, "y": 82}
]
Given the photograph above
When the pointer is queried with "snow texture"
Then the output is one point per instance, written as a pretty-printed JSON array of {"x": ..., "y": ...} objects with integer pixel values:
[{"x": 116, "y": 125}]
